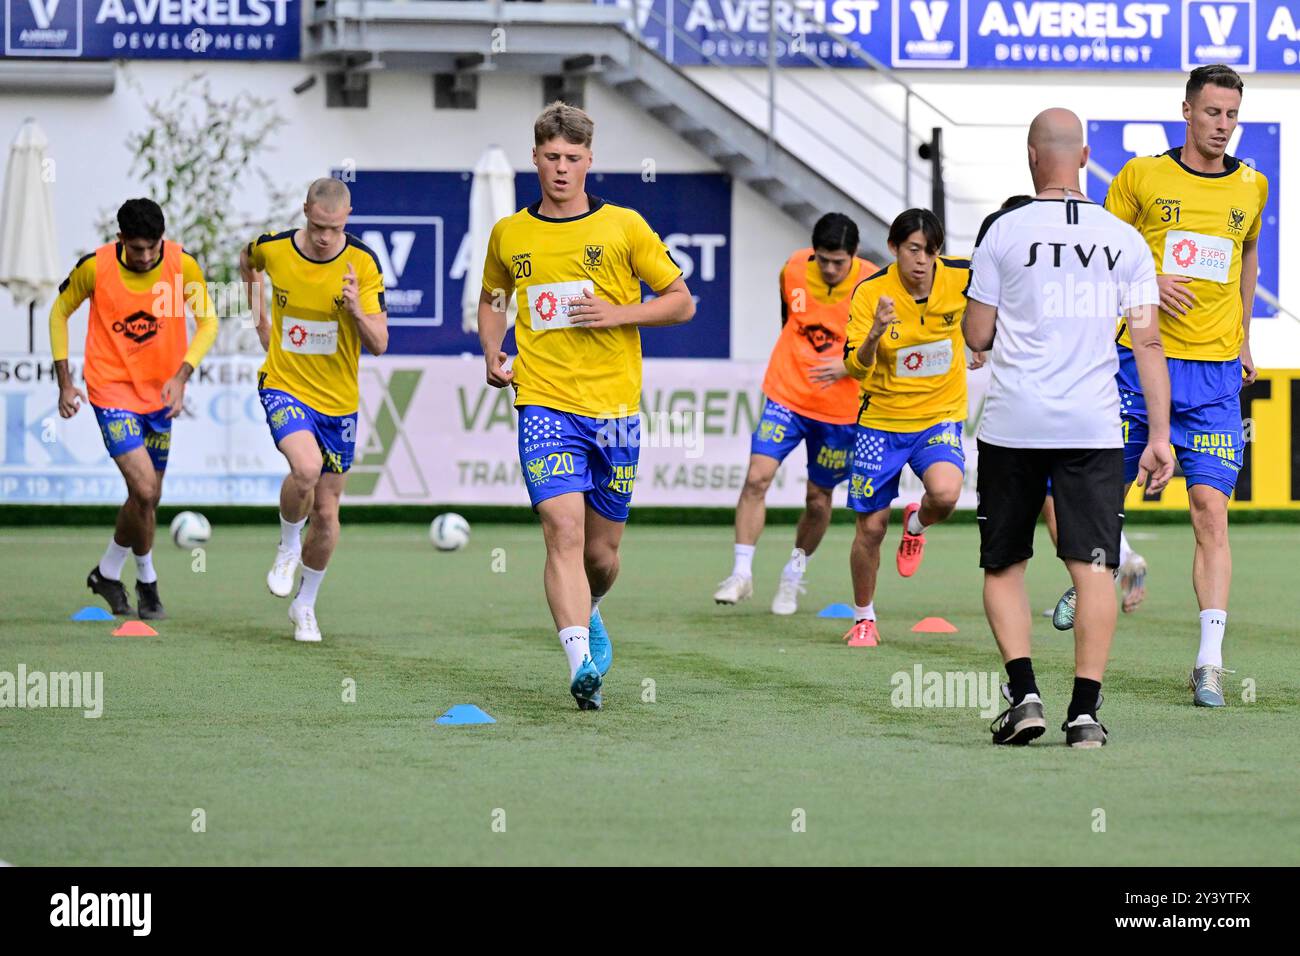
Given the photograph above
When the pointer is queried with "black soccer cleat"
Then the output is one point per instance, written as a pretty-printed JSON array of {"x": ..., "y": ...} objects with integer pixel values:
[
  {"x": 151, "y": 608},
  {"x": 1019, "y": 723},
  {"x": 1085, "y": 732},
  {"x": 111, "y": 591}
]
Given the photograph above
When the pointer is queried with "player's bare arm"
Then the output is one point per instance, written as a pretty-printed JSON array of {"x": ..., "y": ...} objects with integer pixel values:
[
  {"x": 1249, "y": 276},
  {"x": 373, "y": 326},
  {"x": 883, "y": 319},
  {"x": 70, "y": 397},
  {"x": 491, "y": 333},
  {"x": 671, "y": 306},
  {"x": 1156, "y": 465},
  {"x": 978, "y": 326},
  {"x": 256, "y": 303}
]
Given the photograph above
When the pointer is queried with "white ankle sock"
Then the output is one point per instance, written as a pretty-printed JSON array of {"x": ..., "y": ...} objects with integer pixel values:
[
  {"x": 291, "y": 534},
  {"x": 110, "y": 565},
  {"x": 144, "y": 572},
  {"x": 1124, "y": 549},
  {"x": 864, "y": 613},
  {"x": 310, "y": 585},
  {"x": 914, "y": 525},
  {"x": 744, "y": 565},
  {"x": 595, "y": 602},
  {"x": 796, "y": 566},
  {"x": 575, "y": 641},
  {"x": 1213, "y": 623}
]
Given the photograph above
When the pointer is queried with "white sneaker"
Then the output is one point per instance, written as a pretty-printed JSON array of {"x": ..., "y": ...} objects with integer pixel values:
[
  {"x": 280, "y": 578},
  {"x": 305, "y": 627},
  {"x": 735, "y": 589},
  {"x": 787, "y": 596}
]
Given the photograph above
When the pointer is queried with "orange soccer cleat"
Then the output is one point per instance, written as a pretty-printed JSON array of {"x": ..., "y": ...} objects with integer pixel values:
[
  {"x": 863, "y": 634},
  {"x": 912, "y": 548}
]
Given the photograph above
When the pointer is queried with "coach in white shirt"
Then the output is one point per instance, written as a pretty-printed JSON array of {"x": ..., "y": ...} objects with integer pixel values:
[{"x": 1049, "y": 280}]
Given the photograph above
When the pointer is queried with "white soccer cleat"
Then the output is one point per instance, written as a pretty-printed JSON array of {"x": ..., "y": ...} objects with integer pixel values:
[
  {"x": 735, "y": 589},
  {"x": 786, "y": 601},
  {"x": 305, "y": 627},
  {"x": 280, "y": 578},
  {"x": 1133, "y": 581}
]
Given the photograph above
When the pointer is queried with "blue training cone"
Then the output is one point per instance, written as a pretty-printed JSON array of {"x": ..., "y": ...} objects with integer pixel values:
[
  {"x": 465, "y": 714},
  {"x": 836, "y": 610},
  {"x": 91, "y": 614}
]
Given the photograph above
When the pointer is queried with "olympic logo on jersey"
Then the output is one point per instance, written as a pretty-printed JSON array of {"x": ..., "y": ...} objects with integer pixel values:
[
  {"x": 546, "y": 306},
  {"x": 1184, "y": 252},
  {"x": 138, "y": 327}
]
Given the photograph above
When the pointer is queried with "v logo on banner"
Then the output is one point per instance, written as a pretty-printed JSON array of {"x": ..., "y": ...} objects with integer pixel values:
[
  {"x": 930, "y": 17},
  {"x": 44, "y": 11},
  {"x": 1219, "y": 21}
]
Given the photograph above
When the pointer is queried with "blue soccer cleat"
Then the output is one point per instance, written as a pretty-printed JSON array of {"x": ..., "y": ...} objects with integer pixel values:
[
  {"x": 1206, "y": 684},
  {"x": 585, "y": 686},
  {"x": 1063, "y": 616},
  {"x": 602, "y": 651}
]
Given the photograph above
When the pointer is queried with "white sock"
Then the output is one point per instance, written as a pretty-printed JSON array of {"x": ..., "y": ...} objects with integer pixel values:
[
  {"x": 110, "y": 565},
  {"x": 144, "y": 572},
  {"x": 796, "y": 566},
  {"x": 1124, "y": 549},
  {"x": 574, "y": 640},
  {"x": 310, "y": 585},
  {"x": 291, "y": 534},
  {"x": 595, "y": 602},
  {"x": 1213, "y": 622},
  {"x": 914, "y": 525},
  {"x": 867, "y": 613},
  {"x": 744, "y": 565}
]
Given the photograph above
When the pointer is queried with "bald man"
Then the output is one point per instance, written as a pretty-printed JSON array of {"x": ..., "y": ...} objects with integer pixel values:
[
  {"x": 1048, "y": 278},
  {"x": 328, "y": 302}
]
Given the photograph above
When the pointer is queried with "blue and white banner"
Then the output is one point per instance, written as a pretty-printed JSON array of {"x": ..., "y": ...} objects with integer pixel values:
[
  {"x": 152, "y": 29},
  {"x": 1177, "y": 35},
  {"x": 418, "y": 225},
  {"x": 1114, "y": 142}
]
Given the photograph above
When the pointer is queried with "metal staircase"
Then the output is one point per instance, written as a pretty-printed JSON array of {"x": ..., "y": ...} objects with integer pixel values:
[{"x": 578, "y": 40}]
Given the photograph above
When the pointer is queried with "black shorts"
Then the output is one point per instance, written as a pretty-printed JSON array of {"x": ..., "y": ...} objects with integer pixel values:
[{"x": 1088, "y": 487}]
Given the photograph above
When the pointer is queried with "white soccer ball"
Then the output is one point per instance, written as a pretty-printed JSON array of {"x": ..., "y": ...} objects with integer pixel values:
[
  {"x": 190, "y": 529},
  {"x": 449, "y": 532}
]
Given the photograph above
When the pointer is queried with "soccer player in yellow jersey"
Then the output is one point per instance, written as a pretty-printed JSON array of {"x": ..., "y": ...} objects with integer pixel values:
[
  {"x": 327, "y": 292},
  {"x": 1199, "y": 210},
  {"x": 575, "y": 264},
  {"x": 906, "y": 348},
  {"x": 137, "y": 362}
]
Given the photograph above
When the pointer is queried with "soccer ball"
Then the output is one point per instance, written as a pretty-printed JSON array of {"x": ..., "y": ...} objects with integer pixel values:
[
  {"x": 449, "y": 532},
  {"x": 190, "y": 529}
]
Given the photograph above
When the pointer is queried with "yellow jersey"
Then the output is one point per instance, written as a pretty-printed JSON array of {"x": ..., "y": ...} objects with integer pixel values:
[
  {"x": 609, "y": 250},
  {"x": 315, "y": 347},
  {"x": 80, "y": 286},
  {"x": 918, "y": 378},
  {"x": 1195, "y": 224}
]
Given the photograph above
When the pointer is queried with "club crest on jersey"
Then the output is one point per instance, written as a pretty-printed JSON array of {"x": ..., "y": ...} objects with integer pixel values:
[
  {"x": 338, "y": 303},
  {"x": 1236, "y": 219},
  {"x": 819, "y": 337},
  {"x": 592, "y": 256},
  {"x": 949, "y": 319}
]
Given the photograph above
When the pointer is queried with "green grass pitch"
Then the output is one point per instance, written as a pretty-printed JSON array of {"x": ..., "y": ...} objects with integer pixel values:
[{"x": 767, "y": 742}]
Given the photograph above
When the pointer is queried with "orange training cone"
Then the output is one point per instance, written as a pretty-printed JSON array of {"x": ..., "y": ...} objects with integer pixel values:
[
  {"x": 933, "y": 625},
  {"x": 135, "y": 629}
]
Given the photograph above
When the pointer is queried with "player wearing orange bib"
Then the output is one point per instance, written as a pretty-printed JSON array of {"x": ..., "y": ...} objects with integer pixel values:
[
  {"x": 816, "y": 286},
  {"x": 138, "y": 359}
]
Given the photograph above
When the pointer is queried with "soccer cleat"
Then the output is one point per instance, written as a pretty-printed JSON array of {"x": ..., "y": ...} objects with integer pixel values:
[
  {"x": 1063, "y": 616},
  {"x": 585, "y": 686},
  {"x": 912, "y": 547},
  {"x": 786, "y": 601},
  {"x": 602, "y": 651},
  {"x": 280, "y": 578},
  {"x": 1206, "y": 684},
  {"x": 1020, "y": 723},
  {"x": 1084, "y": 732},
  {"x": 736, "y": 588},
  {"x": 862, "y": 634},
  {"x": 1133, "y": 581},
  {"x": 146, "y": 596},
  {"x": 305, "y": 628},
  {"x": 111, "y": 591}
]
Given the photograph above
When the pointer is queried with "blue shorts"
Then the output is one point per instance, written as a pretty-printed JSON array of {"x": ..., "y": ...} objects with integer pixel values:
[
  {"x": 560, "y": 452},
  {"x": 879, "y": 457},
  {"x": 336, "y": 435},
  {"x": 125, "y": 431},
  {"x": 1204, "y": 419},
  {"x": 780, "y": 430}
]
